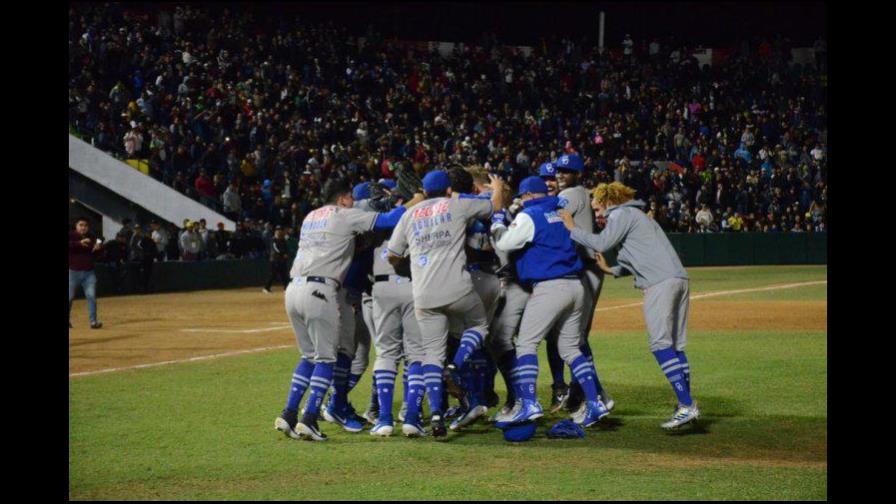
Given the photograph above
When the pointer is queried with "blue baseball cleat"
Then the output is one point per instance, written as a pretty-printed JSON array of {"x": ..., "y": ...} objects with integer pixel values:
[
  {"x": 343, "y": 418},
  {"x": 528, "y": 410},
  {"x": 594, "y": 411}
]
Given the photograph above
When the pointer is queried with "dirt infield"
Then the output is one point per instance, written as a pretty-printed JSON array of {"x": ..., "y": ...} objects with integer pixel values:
[{"x": 163, "y": 327}]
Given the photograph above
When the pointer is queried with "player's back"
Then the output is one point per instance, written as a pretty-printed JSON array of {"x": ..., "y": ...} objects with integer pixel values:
[
  {"x": 435, "y": 231},
  {"x": 577, "y": 202},
  {"x": 327, "y": 241}
]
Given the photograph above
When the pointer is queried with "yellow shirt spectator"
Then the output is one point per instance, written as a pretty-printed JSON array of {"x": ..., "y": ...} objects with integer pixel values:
[{"x": 736, "y": 222}]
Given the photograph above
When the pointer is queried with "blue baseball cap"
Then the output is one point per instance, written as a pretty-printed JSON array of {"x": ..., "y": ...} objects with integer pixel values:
[
  {"x": 532, "y": 184},
  {"x": 570, "y": 162},
  {"x": 519, "y": 432},
  {"x": 436, "y": 180},
  {"x": 547, "y": 170},
  {"x": 387, "y": 183},
  {"x": 361, "y": 191}
]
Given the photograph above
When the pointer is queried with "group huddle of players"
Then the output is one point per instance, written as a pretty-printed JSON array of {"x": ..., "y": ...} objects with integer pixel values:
[{"x": 463, "y": 281}]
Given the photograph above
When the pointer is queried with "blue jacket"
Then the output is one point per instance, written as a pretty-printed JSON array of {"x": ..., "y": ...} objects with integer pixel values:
[{"x": 551, "y": 253}]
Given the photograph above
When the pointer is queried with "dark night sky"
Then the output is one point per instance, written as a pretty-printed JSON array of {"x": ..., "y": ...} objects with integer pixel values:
[{"x": 523, "y": 23}]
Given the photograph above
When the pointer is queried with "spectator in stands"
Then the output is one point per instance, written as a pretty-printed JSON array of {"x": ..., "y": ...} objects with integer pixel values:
[
  {"x": 205, "y": 188},
  {"x": 279, "y": 261},
  {"x": 202, "y": 229},
  {"x": 255, "y": 114},
  {"x": 115, "y": 255},
  {"x": 82, "y": 250},
  {"x": 735, "y": 222},
  {"x": 190, "y": 243},
  {"x": 222, "y": 243},
  {"x": 704, "y": 219},
  {"x": 146, "y": 254},
  {"x": 160, "y": 237},
  {"x": 231, "y": 202}
]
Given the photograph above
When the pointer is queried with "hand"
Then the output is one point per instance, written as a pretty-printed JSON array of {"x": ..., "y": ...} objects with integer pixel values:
[
  {"x": 85, "y": 242},
  {"x": 567, "y": 219},
  {"x": 602, "y": 263}
]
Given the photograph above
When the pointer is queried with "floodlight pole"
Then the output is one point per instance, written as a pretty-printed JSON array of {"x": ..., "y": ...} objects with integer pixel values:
[{"x": 600, "y": 33}]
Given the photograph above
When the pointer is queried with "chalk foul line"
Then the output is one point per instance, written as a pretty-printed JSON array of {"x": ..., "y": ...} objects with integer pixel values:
[
  {"x": 726, "y": 293},
  {"x": 191, "y": 359},
  {"x": 282, "y": 347}
]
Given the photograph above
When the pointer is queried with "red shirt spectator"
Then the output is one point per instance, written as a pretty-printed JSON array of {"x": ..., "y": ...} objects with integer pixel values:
[
  {"x": 204, "y": 186},
  {"x": 698, "y": 162},
  {"x": 80, "y": 256}
]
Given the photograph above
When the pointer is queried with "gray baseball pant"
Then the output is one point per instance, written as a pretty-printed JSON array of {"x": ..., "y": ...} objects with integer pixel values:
[
  {"x": 434, "y": 325},
  {"x": 666, "y": 314},
  {"x": 553, "y": 303},
  {"x": 488, "y": 288},
  {"x": 397, "y": 331},
  {"x": 314, "y": 310},
  {"x": 507, "y": 323}
]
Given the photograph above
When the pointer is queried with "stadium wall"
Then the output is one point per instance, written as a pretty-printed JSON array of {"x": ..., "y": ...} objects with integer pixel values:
[{"x": 711, "y": 249}]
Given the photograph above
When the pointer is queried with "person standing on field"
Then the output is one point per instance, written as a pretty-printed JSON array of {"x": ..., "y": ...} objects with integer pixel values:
[
  {"x": 82, "y": 249},
  {"x": 644, "y": 250},
  {"x": 279, "y": 261}
]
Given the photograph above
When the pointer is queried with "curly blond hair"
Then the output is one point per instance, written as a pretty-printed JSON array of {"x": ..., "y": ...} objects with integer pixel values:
[{"x": 614, "y": 193}]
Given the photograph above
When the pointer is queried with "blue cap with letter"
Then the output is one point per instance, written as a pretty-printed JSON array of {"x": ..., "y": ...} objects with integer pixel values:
[
  {"x": 547, "y": 170},
  {"x": 361, "y": 191},
  {"x": 436, "y": 180},
  {"x": 571, "y": 162},
  {"x": 532, "y": 184},
  {"x": 387, "y": 183}
]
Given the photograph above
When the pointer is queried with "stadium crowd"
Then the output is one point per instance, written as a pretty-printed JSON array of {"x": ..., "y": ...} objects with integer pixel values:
[{"x": 251, "y": 116}]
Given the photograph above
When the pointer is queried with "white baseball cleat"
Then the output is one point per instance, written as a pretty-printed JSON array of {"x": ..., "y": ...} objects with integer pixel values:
[
  {"x": 310, "y": 431},
  {"x": 469, "y": 417},
  {"x": 682, "y": 416},
  {"x": 382, "y": 430},
  {"x": 413, "y": 430},
  {"x": 506, "y": 414},
  {"x": 283, "y": 426},
  {"x": 607, "y": 400}
]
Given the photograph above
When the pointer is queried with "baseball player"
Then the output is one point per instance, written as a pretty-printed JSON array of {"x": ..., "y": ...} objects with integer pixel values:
[
  {"x": 356, "y": 286},
  {"x": 320, "y": 316},
  {"x": 433, "y": 233},
  {"x": 575, "y": 199},
  {"x": 645, "y": 251},
  {"x": 547, "y": 260},
  {"x": 514, "y": 296},
  {"x": 482, "y": 263},
  {"x": 559, "y": 389}
]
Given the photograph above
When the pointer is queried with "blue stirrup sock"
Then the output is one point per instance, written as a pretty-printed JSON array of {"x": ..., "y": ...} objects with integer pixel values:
[
  {"x": 470, "y": 341},
  {"x": 555, "y": 362},
  {"x": 301, "y": 378},
  {"x": 505, "y": 366},
  {"x": 432, "y": 377},
  {"x": 671, "y": 366},
  {"x": 685, "y": 368},
  {"x": 320, "y": 382},
  {"x": 416, "y": 389},
  {"x": 385, "y": 385},
  {"x": 583, "y": 370},
  {"x": 525, "y": 374},
  {"x": 340, "y": 381}
]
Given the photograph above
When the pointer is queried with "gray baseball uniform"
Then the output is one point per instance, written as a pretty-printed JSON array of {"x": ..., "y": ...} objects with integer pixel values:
[
  {"x": 433, "y": 232},
  {"x": 321, "y": 317},
  {"x": 645, "y": 251},
  {"x": 397, "y": 331},
  {"x": 507, "y": 322},
  {"x": 577, "y": 201}
]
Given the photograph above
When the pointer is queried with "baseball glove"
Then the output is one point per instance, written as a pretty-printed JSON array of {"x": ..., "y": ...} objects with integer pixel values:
[
  {"x": 380, "y": 199},
  {"x": 408, "y": 183}
]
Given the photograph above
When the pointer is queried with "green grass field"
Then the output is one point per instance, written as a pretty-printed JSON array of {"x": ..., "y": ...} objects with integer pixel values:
[{"x": 203, "y": 430}]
